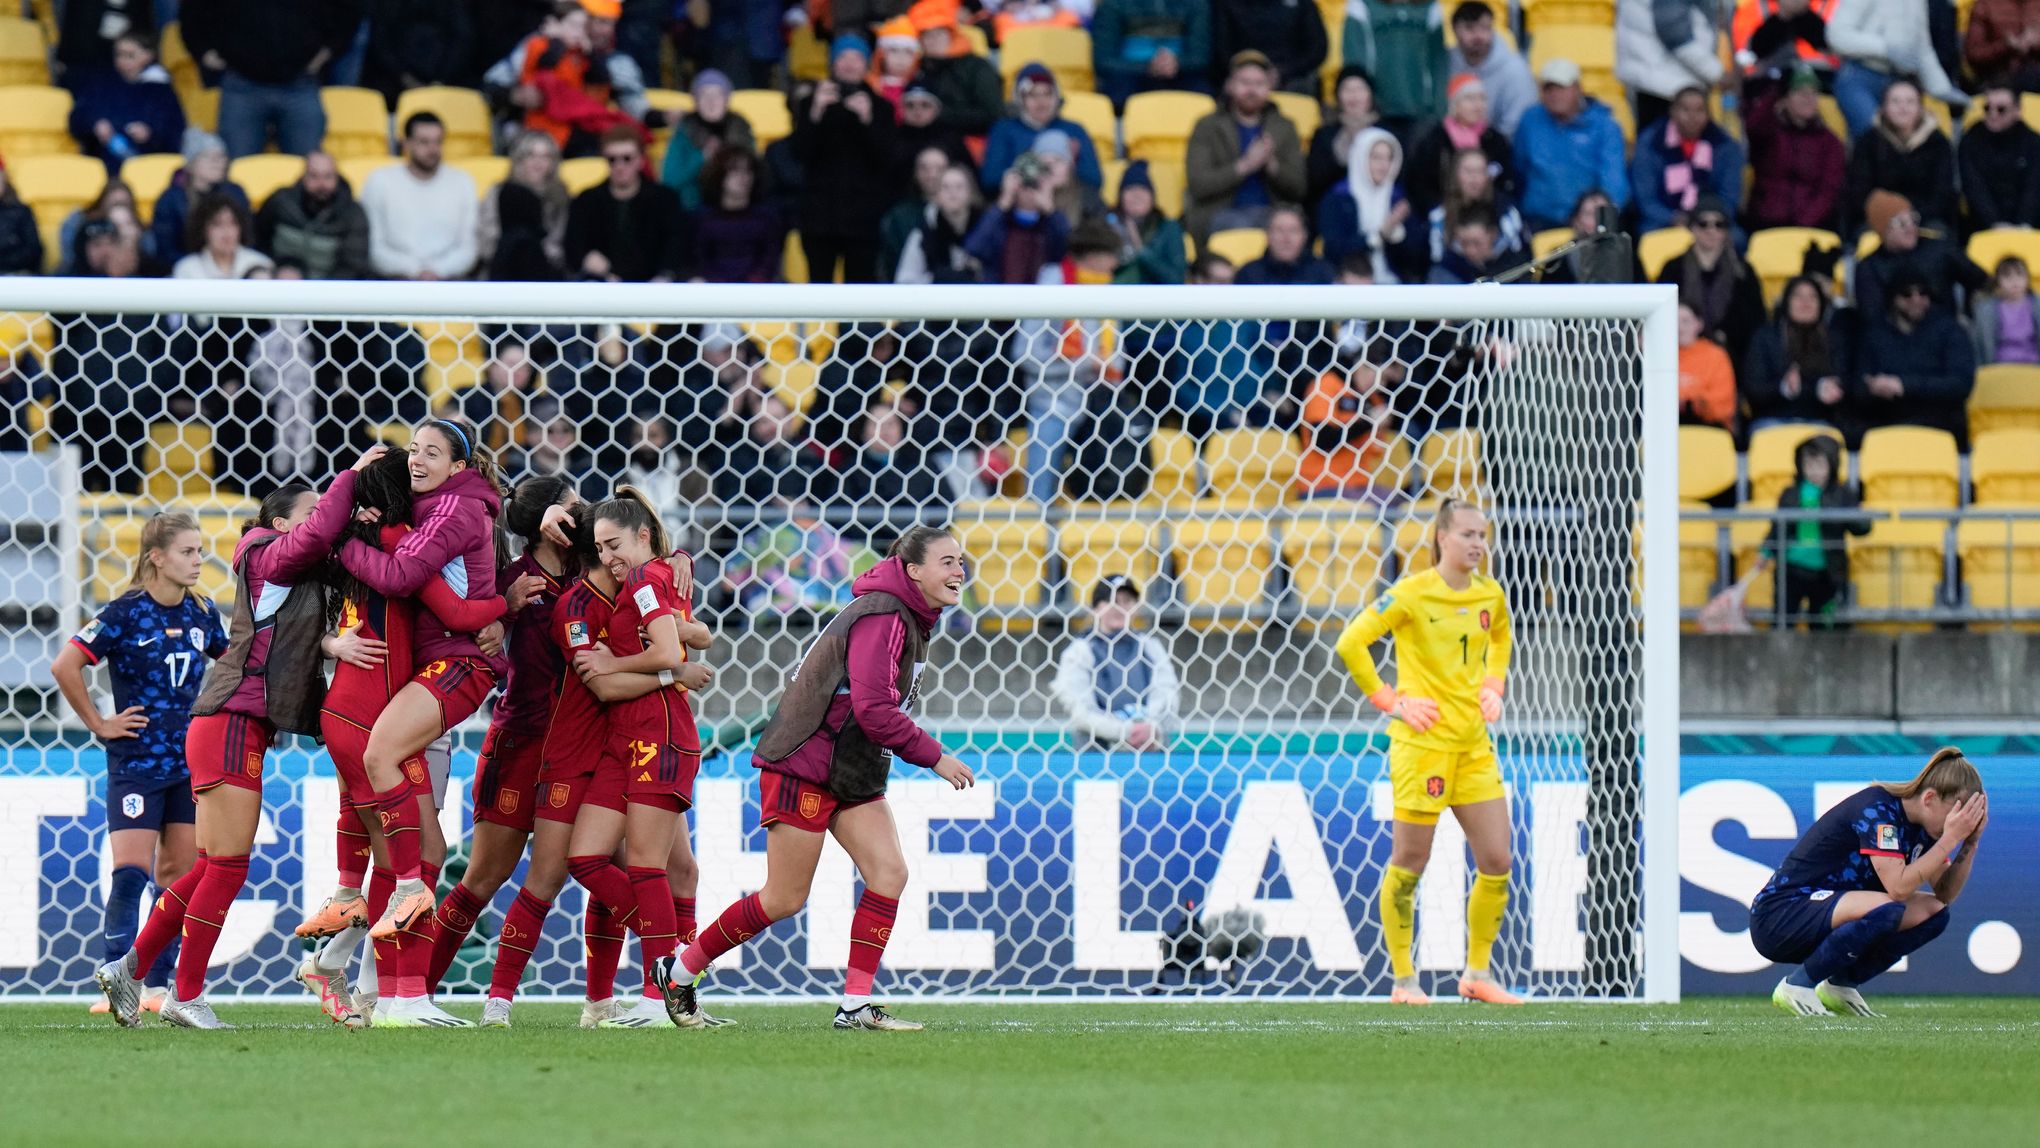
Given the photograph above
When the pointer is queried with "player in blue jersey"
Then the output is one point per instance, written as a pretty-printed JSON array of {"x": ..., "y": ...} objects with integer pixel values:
[
  {"x": 155, "y": 640},
  {"x": 1852, "y": 898}
]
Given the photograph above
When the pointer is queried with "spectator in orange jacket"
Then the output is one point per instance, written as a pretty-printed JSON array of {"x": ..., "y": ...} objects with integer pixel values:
[
  {"x": 1347, "y": 430},
  {"x": 1706, "y": 376}
]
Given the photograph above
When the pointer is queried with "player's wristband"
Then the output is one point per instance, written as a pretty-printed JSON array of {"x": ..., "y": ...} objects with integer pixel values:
[{"x": 665, "y": 677}]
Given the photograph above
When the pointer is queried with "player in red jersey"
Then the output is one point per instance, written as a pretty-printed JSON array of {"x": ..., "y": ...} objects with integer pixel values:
[
  {"x": 269, "y": 680},
  {"x": 825, "y": 754}
]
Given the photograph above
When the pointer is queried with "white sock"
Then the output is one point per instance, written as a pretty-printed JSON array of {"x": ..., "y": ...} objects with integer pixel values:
[
  {"x": 852, "y": 1004},
  {"x": 346, "y": 893},
  {"x": 339, "y": 949},
  {"x": 409, "y": 886}
]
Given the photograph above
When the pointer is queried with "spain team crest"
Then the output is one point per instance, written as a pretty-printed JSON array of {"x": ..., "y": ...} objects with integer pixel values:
[
  {"x": 252, "y": 765},
  {"x": 506, "y": 801},
  {"x": 810, "y": 804},
  {"x": 557, "y": 794},
  {"x": 415, "y": 770}
]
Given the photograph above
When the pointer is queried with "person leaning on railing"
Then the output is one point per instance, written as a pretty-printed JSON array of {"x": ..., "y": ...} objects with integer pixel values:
[{"x": 1815, "y": 561}]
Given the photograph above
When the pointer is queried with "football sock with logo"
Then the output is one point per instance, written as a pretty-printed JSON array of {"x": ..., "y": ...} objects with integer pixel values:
[
  {"x": 166, "y": 920},
  {"x": 1484, "y": 906},
  {"x": 414, "y": 955},
  {"x": 124, "y": 909},
  {"x": 683, "y": 919},
  {"x": 515, "y": 943},
  {"x": 609, "y": 885},
  {"x": 457, "y": 916},
  {"x": 870, "y": 929},
  {"x": 1878, "y": 958},
  {"x": 398, "y": 807},
  {"x": 655, "y": 914},
  {"x": 350, "y": 843},
  {"x": 604, "y": 938},
  {"x": 1398, "y": 906},
  {"x": 203, "y": 921},
  {"x": 1847, "y": 945},
  {"x": 738, "y": 923}
]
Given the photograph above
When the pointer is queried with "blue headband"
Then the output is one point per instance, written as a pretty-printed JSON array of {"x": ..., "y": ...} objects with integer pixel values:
[{"x": 458, "y": 435}]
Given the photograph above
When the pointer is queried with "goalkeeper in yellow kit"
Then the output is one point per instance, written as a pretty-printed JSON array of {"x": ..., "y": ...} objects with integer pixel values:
[{"x": 1451, "y": 628}]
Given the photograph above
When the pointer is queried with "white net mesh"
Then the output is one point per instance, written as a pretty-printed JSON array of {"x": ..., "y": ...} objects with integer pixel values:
[{"x": 1260, "y": 479}]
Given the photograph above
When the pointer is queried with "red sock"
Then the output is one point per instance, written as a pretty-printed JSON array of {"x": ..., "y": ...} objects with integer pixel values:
[
  {"x": 398, "y": 806},
  {"x": 683, "y": 918},
  {"x": 739, "y": 923},
  {"x": 204, "y": 917},
  {"x": 655, "y": 911},
  {"x": 514, "y": 945},
  {"x": 414, "y": 955},
  {"x": 382, "y": 884},
  {"x": 609, "y": 885},
  {"x": 604, "y": 938},
  {"x": 350, "y": 840},
  {"x": 870, "y": 929},
  {"x": 456, "y": 920},
  {"x": 166, "y": 920},
  {"x": 428, "y": 872}
]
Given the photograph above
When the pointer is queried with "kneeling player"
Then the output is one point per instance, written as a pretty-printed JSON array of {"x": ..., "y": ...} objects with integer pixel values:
[{"x": 1848, "y": 902}]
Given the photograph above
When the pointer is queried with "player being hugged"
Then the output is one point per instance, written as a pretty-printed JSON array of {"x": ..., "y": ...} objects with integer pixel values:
[
  {"x": 824, "y": 755},
  {"x": 1852, "y": 899},
  {"x": 1451, "y": 629},
  {"x": 154, "y": 641},
  {"x": 270, "y": 679}
]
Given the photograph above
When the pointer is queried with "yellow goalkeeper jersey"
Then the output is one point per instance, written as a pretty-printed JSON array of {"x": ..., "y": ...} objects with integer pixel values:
[{"x": 1446, "y": 642}]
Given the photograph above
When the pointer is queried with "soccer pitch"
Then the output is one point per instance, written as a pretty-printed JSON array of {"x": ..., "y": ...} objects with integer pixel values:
[{"x": 1049, "y": 1074}]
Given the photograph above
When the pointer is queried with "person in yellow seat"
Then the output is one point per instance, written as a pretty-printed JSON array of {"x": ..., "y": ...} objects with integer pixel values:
[{"x": 1451, "y": 629}]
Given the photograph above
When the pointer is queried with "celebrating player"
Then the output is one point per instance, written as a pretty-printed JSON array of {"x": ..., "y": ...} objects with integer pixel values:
[
  {"x": 1451, "y": 628},
  {"x": 153, "y": 640},
  {"x": 1849, "y": 903},
  {"x": 270, "y": 679},
  {"x": 824, "y": 756}
]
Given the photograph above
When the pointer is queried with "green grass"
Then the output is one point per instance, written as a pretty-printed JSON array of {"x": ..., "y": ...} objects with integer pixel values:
[{"x": 1707, "y": 1073}]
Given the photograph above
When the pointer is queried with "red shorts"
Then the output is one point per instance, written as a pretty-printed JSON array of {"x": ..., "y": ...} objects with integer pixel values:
[
  {"x": 227, "y": 749},
  {"x": 561, "y": 800},
  {"x": 506, "y": 779},
  {"x": 657, "y": 772},
  {"x": 609, "y": 786},
  {"x": 459, "y": 685},
  {"x": 347, "y": 745},
  {"x": 788, "y": 800}
]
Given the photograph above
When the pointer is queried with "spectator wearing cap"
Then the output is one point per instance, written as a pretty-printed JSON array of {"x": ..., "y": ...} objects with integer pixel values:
[
  {"x": 1913, "y": 366},
  {"x": 1662, "y": 48},
  {"x": 908, "y": 214},
  {"x": 1150, "y": 243},
  {"x": 1902, "y": 246},
  {"x": 967, "y": 85},
  {"x": 1466, "y": 125},
  {"x": 628, "y": 229},
  {"x": 1795, "y": 159},
  {"x": 316, "y": 222},
  {"x": 1402, "y": 47},
  {"x": 2002, "y": 43},
  {"x": 1497, "y": 63},
  {"x": 1118, "y": 686},
  {"x": 130, "y": 109},
  {"x": 921, "y": 128},
  {"x": 1076, "y": 199},
  {"x": 1151, "y": 46},
  {"x": 1331, "y": 146},
  {"x": 1290, "y": 35},
  {"x": 1722, "y": 289},
  {"x": 1880, "y": 41},
  {"x": 1566, "y": 146},
  {"x": 843, "y": 134},
  {"x": 1903, "y": 151},
  {"x": 21, "y": 245},
  {"x": 1244, "y": 158},
  {"x": 204, "y": 170},
  {"x": 1681, "y": 157},
  {"x": 899, "y": 58},
  {"x": 700, "y": 134},
  {"x": 421, "y": 213},
  {"x": 413, "y": 45},
  {"x": 271, "y": 53},
  {"x": 1037, "y": 106},
  {"x": 2000, "y": 162}
]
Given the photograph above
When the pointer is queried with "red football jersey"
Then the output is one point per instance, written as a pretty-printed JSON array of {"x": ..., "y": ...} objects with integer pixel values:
[
  {"x": 359, "y": 695},
  {"x": 664, "y": 715},
  {"x": 580, "y": 725}
]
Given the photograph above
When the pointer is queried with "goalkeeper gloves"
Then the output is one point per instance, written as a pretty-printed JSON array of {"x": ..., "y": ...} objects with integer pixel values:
[
  {"x": 1420, "y": 714},
  {"x": 1491, "y": 700}
]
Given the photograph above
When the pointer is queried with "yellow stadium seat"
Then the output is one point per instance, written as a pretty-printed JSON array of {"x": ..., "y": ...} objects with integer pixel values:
[
  {"x": 1094, "y": 113},
  {"x": 793, "y": 263},
  {"x": 148, "y": 176},
  {"x": 1092, "y": 548},
  {"x": 1591, "y": 46},
  {"x": 1746, "y": 538},
  {"x": 462, "y": 110},
  {"x": 262, "y": 176},
  {"x": 357, "y": 170},
  {"x": 1302, "y": 111},
  {"x": 1987, "y": 247},
  {"x": 1700, "y": 544},
  {"x": 1334, "y": 565},
  {"x": 2004, "y": 468},
  {"x": 2007, "y": 397},
  {"x": 486, "y": 170},
  {"x": 673, "y": 103},
  {"x": 1771, "y": 468},
  {"x": 1542, "y": 15},
  {"x": 1224, "y": 562},
  {"x": 178, "y": 461},
  {"x": 35, "y": 120},
  {"x": 1240, "y": 245},
  {"x": 1250, "y": 467},
  {"x": 1657, "y": 248},
  {"x": 1898, "y": 565},
  {"x": 1157, "y": 125},
  {"x": 2000, "y": 564},
  {"x": 54, "y": 186},
  {"x": 1776, "y": 254},
  {"x": 581, "y": 174},
  {"x": 766, "y": 111},
  {"x": 1066, "y": 51},
  {"x": 1174, "y": 455},
  {"x": 24, "y": 58},
  {"x": 1706, "y": 462},
  {"x": 1451, "y": 462},
  {"x": 1909, "y": 466},
  {"x": 1005, "y": 543},
  {"x": 807, "y": 58},
  {"x": 1549, "y": 240},
  {"x": 357, "y": 122}
]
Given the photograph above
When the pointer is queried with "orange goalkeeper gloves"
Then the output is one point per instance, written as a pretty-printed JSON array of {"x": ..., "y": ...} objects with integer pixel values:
[
  {"x": 1420, "y": 714},
  {"x": 1491, "y": 700}
]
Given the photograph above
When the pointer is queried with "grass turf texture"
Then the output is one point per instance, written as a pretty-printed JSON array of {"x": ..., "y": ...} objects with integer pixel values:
[{"x": 1065, "y": 1075}]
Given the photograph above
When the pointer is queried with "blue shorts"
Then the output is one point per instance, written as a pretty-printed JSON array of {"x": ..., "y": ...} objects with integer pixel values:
[
  {"x": 1787, "y": 926},
  {"x": 149, "y": 802}
]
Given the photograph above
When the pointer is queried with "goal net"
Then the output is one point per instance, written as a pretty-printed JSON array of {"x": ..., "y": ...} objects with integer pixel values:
[{"x": 1259, "y": 462}]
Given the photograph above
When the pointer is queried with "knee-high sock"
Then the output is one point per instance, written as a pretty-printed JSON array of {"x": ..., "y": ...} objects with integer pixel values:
[
  {"x": 382, "y": 885},
  {"x": 398, "y": 807},
  {"x": 522, "y": 926},
  {"x": 123, "y": 909},
  {"x": 1845, "y": 946},
  {"x": 166, "y": 919},
  {"x": 457, "y": 915},
  {"x": 655, "y": 917},
  {"x": 413, "y": 956},
  {"x": 164, "y": 967},
  {"x": 203, "y": 920},
  {"x": 683, "y": 919},
  {"x": 609, "y": 885},
  {"x": 604, "y": 938},
  {"x": 350, "y": 842},
  {"x": 1878, "y": 958},
  {"x": 428, "y": 872},
  {"x": 738, "y": 923},
  {"x": 1398, "y": 907},
  {"x": 870, "y": 929},
  {"x": 1484, "y": 917}
]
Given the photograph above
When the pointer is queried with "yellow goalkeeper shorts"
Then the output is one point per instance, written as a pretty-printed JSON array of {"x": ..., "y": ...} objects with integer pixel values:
[{"x": 1428, "y": 781}]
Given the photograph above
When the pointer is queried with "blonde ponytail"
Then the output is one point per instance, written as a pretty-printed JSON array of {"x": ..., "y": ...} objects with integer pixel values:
[
  {"x": 157, "y": 534},
  {"x": 1947, "y": 773}
]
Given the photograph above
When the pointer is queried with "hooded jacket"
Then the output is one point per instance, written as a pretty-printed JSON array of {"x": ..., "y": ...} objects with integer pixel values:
[
  {"x": 1799, "y": 168},
  {"x": 1374, "y": 202},
  {"x": 454, "y": 538},
  {"x": 1919, "y": 166},
  {"x": 1556, "y": 162},
  {"x": 1662, "y": 46},
  {"x": 845, "y": 712}
]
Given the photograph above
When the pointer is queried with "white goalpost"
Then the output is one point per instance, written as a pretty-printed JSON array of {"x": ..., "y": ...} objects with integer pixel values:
[{"x": 1261, "y": 461}]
